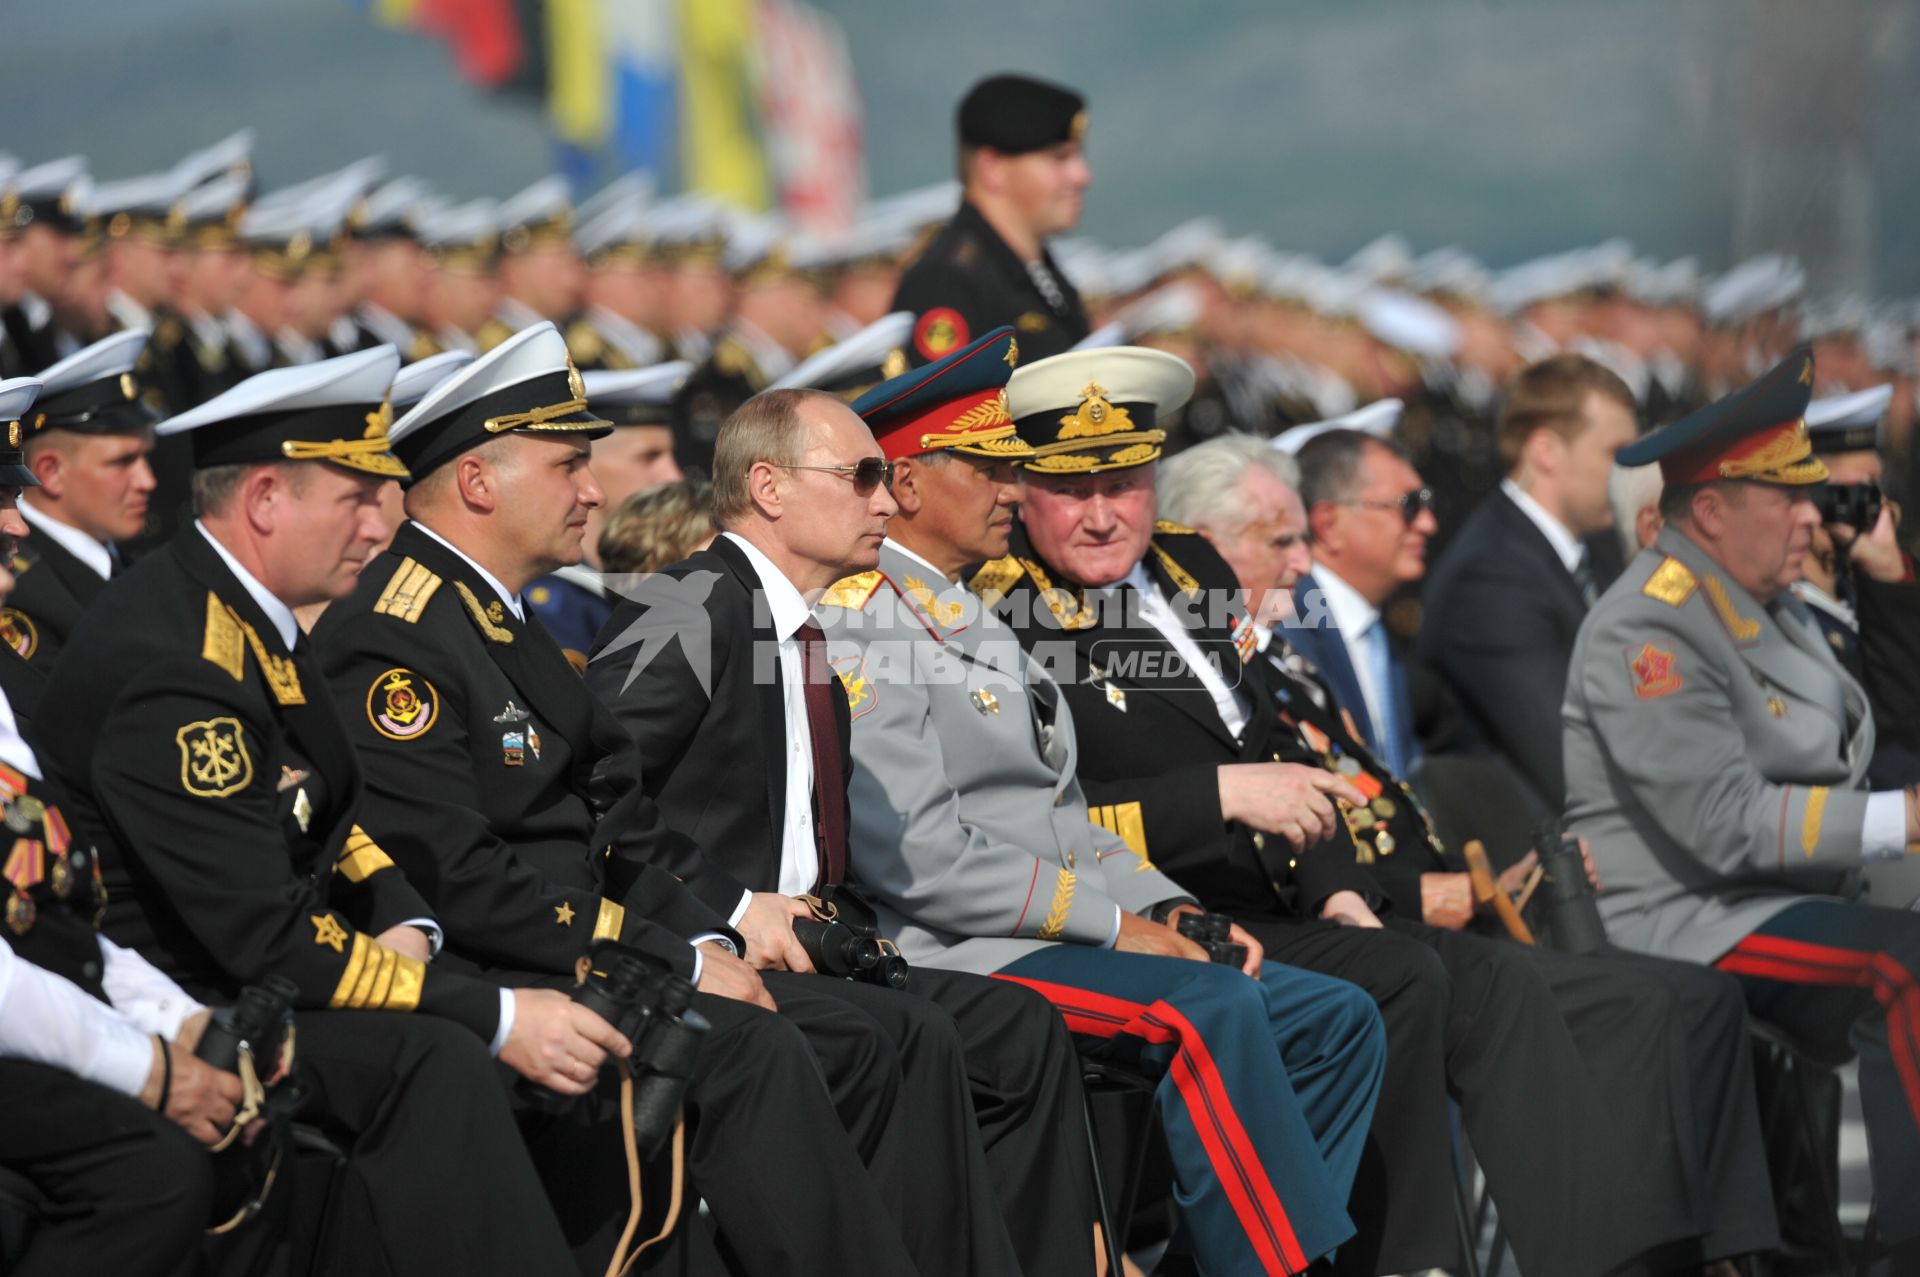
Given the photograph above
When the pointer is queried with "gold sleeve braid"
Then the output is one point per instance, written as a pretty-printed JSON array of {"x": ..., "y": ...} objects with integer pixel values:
[
  {"x": 608, "y": 922},
  {"x": 1056, "y": 923},
  {"x": 378, "y": 979}
]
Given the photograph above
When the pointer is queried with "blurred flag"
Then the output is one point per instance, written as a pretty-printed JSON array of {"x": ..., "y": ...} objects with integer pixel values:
[
  {"x": 484, "y": 34},
  {"x": 578, "y": 79},
  {"x": 719, "y": 154},
  {"x": 812, "y": 110},
  {"x": 643, "y": 40}
]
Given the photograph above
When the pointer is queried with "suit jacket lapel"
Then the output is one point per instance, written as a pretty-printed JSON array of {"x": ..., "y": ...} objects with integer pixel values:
[
  {"x": 1524, "y": 534},
  {"x": 770, "y": 705},
  {"x": 1327, "y": 649}
]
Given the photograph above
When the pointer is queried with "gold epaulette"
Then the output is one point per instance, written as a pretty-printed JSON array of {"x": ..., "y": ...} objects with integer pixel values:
[
  {"x": 1126, "y": 820},
  {"x": 361, "y": 857},
  {"x": 993, "y": 578},
  {"x": 584, "y": 342},
  {"x": 852, "y": 592},
  {"x": 225, "y": 643},
  {"x": 407, "y": 592},
  {"x": 491, "y": 334},
  {"x": 488, "y": 618},
  {"x": 1672, "y": 583},
  {"x": 1182, "y": 579},
  {"x": 1168, "y": 526}
]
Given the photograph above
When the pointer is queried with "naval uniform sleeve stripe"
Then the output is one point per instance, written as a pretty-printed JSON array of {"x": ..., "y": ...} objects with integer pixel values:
[
  {"x": 350, "y": 976},
  {"x": 609, "y": 921}
]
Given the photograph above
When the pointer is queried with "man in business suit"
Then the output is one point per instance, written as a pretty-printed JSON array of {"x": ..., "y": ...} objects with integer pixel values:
[
  {"x": 1716, "y": 757},
  {"x": 970, "y": 828},
  {"x": 1505, "y": 600},
  {"x": 88, "y": 441},
  {"x": 742, "y": 731},
  {"x": 1682, "y": 1102},
  {"x": 480, "y": 742}
]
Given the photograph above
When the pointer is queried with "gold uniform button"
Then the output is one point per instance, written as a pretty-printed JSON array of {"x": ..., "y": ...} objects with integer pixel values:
[
  {"x": 1259, "y": 840},
  {"x": 1276, "y": 755}
]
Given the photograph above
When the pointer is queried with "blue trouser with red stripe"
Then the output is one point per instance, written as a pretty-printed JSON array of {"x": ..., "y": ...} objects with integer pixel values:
[
  {"x": 1839, "y": 976},
  {"x": 1266, "y": 1089}
]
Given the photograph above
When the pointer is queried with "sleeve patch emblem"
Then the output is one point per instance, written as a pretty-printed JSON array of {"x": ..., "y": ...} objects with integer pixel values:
[
  {"x": 402, "y": 705},
  {"x": 862, "y": 695},
  {"x": 213, "y": 758},
  {"x": 17, "y": 632},
  {"x": 1653, "y": 672}
]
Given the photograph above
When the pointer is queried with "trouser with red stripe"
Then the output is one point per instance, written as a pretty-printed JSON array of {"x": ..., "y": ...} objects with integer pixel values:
[
  {"x": 1836, "y": 976},
  {"x": 1266, "y": 1090}
]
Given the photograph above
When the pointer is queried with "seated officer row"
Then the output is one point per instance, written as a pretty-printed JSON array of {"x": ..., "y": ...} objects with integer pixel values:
[{"x": 883, "y": 689}]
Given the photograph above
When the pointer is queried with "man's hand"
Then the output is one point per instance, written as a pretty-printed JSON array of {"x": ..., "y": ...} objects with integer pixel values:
[
  {"x": 726, "y": 976},
  {"x": 1446, "y": 900},
  {"x": 1349, "y": 910},
  {"x": 767, "y": 927},
  {"x": 191, "y": 1029},
  {"x": 1876, "y": 553},
  {"x": 202, "y": 1099},
  {"x": 558, "y": 1043},
  {"x": 409, "y": 942},
  {"x": 1143, "y": 935},
  {"x": 1292, "y": 800}
]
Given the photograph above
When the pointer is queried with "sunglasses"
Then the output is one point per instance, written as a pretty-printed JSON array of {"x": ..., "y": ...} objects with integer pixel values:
[
  {"x": 867, "y": 473},
  {"x": 1411, "y": 505}
]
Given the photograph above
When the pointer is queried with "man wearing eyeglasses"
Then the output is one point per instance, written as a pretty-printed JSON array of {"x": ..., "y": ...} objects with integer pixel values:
[{"x": 718, "y": 670}]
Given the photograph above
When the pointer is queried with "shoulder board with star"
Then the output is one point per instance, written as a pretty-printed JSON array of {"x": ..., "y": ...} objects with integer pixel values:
[
  {"x": 852, "y": 592},
  {"x": 408, "y": 590},
  {"x": 734, "y": 359},
  {"x": 996, "y": 577},
  {"x": 491, "y": 334},
  {"x": 584, "y": 342},
  {"x": 1672, "y": 583}
]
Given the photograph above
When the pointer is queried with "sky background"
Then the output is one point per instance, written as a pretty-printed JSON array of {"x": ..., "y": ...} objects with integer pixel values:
[{"x": 1511, "y": 127}]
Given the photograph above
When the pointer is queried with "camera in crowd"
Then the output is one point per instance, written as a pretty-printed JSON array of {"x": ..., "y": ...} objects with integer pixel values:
[
  {"x": 1857, "y": 505},
  {"x": 1569, "y": 914},
  {"x": 1214, "y": 933},
  {"x": 836, "y": 949},
  {"x": 652, "y": 1008}
]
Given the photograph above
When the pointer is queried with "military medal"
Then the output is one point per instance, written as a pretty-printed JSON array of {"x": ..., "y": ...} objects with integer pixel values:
[
  {"x": 986, "y": 702},
  {"x": 1383, "y": 842},
  {"x": 1348, "y": 766},
  {"x": 1776, "y": 707},
  {"x": 302, "y": 810},
  {"x": 1361, "y": 818},
  {"x": 513, "y": 749},
  {"x": 20, "y": 914},
  {"x": 1384, "y": 808},
  {"x": 61, "y": 877}
]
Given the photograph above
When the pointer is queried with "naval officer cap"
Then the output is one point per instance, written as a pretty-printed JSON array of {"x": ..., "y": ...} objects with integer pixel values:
[
  {"x": 852, "y": 367},
  {"x": 1376, "y": 419},
  {"x": 1088, "y": 411},
  {"x": 334, "y": 410},
  {"x": 1846, "y": 423},
  {"x": 636, "y": 396},
  {"x": 94, "y": 391},
  {"x": 16, "y": 399},
  {"x": 957, "y": 403},
  {"x": 411, "y": 383},
  {"x": 54, "y": 194},
  {"x": 1758, "y": 434},
  {"x": 1016, "y": 114},
  {"x": 525, "y": 385}
]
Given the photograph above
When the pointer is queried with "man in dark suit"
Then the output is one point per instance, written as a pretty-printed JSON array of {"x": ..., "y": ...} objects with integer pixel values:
[
  {"x": 744, "y": 741},
  {"x": 1665, "y": 1048},
  {"x": 1506, "y": 599},
  {"x": 1024, "y": 176},
  {"x": 480, "y": 741},
  {"x": 87, "y": 441},
  {"x": 187, "y": 727}
]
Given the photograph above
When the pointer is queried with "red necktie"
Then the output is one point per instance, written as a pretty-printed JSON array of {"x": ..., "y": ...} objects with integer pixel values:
[{"x": 829, "y": 781}]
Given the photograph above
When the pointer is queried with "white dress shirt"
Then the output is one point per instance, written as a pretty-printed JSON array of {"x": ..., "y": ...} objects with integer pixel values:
[
  {"x": 97, "y": 555},
  {"x": 799, "y": 853},
  {"x": 1154, "y": 610},
  {"x": 1352, "y": 617}
]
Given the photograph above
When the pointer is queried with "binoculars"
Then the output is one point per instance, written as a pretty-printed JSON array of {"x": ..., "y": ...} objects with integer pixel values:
[
  {"x": 1855, "y": 504},
  {"x": 652, "y": 1008},
  {"x": 1568, "y": 912},
  {"x": 259, "y": 1019},
  {"x": 1214, "y": 933},
  {"x": 836, "y": 949}
]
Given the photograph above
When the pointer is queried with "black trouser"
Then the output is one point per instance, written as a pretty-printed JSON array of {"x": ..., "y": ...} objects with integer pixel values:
[
  {"x": 767, "y": 1150},
  {"x": 1473, "y": 1018},
  {"x": 127, "y": 1191},
  {"x": 988, "y": 1067},
  {"x": 1667, "y": 1045}
]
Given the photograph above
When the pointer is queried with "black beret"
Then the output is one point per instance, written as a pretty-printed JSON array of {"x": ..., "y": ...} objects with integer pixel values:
[{"x": 1015, "y": 114}]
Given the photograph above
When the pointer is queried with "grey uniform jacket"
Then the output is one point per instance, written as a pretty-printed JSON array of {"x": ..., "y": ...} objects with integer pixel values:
[
  {"x": 969, "y": 828},
  {"x": 1716, "y": 755}
]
